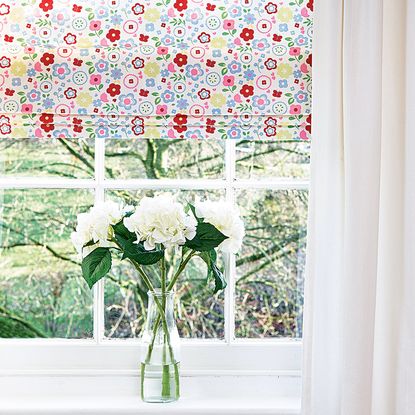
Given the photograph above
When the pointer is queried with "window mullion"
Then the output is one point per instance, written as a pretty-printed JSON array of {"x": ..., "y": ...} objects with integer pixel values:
[
  {"x": 99, "y": 197},
  {"x": 230, "y": 168}
]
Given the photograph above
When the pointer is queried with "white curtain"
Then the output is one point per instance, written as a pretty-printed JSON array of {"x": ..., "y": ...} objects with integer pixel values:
[{"x": 359, "y": 329}]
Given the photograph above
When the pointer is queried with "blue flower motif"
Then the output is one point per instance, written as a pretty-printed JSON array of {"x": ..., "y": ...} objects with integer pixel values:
[
  {"x": 193, "y": 15},
  {"x": 298, "y": 18},
  {"x": 249, "y": 18},
  {"x": 167, "y": 96},
  {"x": 17, "y": 81},
  {"x": 127, "y": 101},
  {"x": 116, "y": 73},
  {"x": 31, "y": 72},
  {"x": 102, "y": 131},
  {"x": 97, "y": 103},
  {"x": 194, "y": 133},
  {"x": 194, "y": 71},
  {"x": 33, "y": 95},
  {"x": 64, "y": 133},
  {"x": 282, "y": 83},
  {"x": 260, "y": 101},
  {"x": 234, "y": 67},
  {"x": 249, "y": 74},
  {"x": 82, "y": 111},
  {"x": 61, "y": 70},
  {"x": 150, "y": 82},
  {"x": 149, "y": 27},
  {"x": 167, "y": 40},
  {"x": 15, "y": 28},
  {"x": 217, "y": 53},
  {"x": 48, "y": 103},
  {"x": 102, "y": 12},
  {"x": 260, "y": 44},
  {"x": 234, "y": 133},
  {"x": 301, "y": 40},
  {"x": 301, "y": 96},
  {"x": 101, "y": 66},
  {"x": 182, "y": 104},
  {"x": 230, "y": 103},
  {"x": 235, "y": 11},
  {"x": 164, "y": 73},
  {"x": 116, "y": 19},
  {"x": 297, "y": 74},
  {"x": 283, "y": 27},
  {"x": 84, "y": 52}
]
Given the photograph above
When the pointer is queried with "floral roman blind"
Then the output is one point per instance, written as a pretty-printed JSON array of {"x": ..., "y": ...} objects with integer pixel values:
[{"x": 156, "y": 69}]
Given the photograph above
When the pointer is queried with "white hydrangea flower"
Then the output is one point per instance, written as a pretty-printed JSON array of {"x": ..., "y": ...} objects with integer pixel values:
[
  {"x": 226, "y": 218},
  {"x": 95, "y": 226},
  {"x": 161, "y": 220}
]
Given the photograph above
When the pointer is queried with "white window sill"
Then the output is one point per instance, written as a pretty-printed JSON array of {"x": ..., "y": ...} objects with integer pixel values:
[{"x": 118, "y": 395}]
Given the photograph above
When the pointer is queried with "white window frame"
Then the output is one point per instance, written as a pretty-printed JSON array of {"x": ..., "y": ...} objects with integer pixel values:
[{"x": 99, "y": 355}]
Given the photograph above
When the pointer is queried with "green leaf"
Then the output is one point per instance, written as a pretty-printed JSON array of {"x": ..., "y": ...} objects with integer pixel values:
[
  {"x": 96, "y": 265},
  {"x": 138, "y": 253},
  {"x": 207, "y": 237},
  {"x": 213, "y": 272}
]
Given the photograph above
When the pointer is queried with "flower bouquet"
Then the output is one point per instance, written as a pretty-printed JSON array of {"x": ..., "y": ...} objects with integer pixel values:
[{"x": 145, "y": 236}]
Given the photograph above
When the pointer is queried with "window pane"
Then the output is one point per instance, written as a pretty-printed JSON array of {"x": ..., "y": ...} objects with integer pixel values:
[
  {"x": 272, "y": 159},
  {"x": 70, "y": 158},
  {"x": 42, "y": 292},
  {"x": 200, "y": 313},
  {"x": 270, "y": 266},
  {"x": 173, "y": 159}
]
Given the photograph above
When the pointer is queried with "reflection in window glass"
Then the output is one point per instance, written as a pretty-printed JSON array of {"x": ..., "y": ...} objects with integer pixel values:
[
  {"x": 200, "y": 314},
  {"x": 270, "y": 266},
  {"x": 42, "y": 293},
  {"x": 156, "y": 159},
  {"x": 272, "y": 159},
  {"x": 69, "y": 158}
]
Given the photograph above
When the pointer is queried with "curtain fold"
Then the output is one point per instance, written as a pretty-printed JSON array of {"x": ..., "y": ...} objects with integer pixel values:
[{"x": 360, "y": 209}]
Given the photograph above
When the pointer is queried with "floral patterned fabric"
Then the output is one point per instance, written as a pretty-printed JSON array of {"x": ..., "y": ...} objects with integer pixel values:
[{"x": 156, "y": 68}]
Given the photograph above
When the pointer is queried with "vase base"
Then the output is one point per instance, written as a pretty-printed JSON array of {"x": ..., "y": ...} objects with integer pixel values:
[{"x": 160, "y": 383}]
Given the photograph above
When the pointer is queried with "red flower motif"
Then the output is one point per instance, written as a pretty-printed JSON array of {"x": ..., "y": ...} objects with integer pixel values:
[
  {"x": 247, "y": 90},
  {"x": 247, "y": 34},
  {"x": 211, "y": 63},
  {"x": 46, "y": 5},
  {"x": 47, "y": 127},
  {"x": 180, "y": 5},
  {"x": 70, "y": 93},
  {"x": 4, "y": 62},
  {"x": 276, "y": 94},
  {"x": 308, "y": 121},
  {"x": 211, "y": 7},
  {"x": 271, "y": 64},
  {"x": 204, "y": 93},
  {"x": 277, "y": 38},
  {"x": 47, "y": 58},
  {"x": 8, "y": 38},
  {"x": 138, "y": 63},
  {"x": 70, "y": 39},
  {"x": 46, "y": 118},
  {"x": 78, "y": 62},
  {"x": 309, "y": 59},
  {"x": 4, "y": 9},
  {"x": 77, "y": 121},
  {"x": 138, "y": 125},
  {"x": 10, "y": 92},
  {"x": 180, "y": 59},
  {"x": 143, "y": 38},
  {"x": 113, "y": 35},
  {"x": 210, "y": 126},
  {"x": 137, "y": 9},
  {"x": 114, "y": 89},
  {"x": 180, "y": 121},
  {"x": 78, "y": 128},
  {"x": 204, "y": 37},
  {"x": 77, "y": 9},
  {"x": 310, "y": 5},
  {"x": 271, "y": 8},
  {"x": 143, "y": 93}
]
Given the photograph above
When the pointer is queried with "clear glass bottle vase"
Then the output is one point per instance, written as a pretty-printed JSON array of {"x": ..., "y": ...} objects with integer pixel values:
[{"x": 160, "y": 350}]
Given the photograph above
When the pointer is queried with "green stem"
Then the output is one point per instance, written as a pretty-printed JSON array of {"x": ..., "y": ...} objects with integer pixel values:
[{"x": 180, "y": 269}]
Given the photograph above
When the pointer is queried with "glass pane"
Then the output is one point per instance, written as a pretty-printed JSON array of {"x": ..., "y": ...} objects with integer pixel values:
[
  {"x": 70, "y": 158},
  {"x": 156, "y": 159},
  {"x": 270, "y": 266},
  {"x": 42, "y": 292},
  {"x": 200, "y": 313},
  {"x": 255, "y": 160}
]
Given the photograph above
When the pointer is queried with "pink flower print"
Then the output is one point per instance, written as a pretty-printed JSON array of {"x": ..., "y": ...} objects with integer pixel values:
[
  {"x": 228, "y": 80},
  {"x": 95, "y": 25},
  {"x": 295, "y": 109},
  {"x": 27, "y": 108},
  {"x": 161, "y": 109},
  {"x": 228, "y": 24},
  {"x": 295, "y": 51},
  {"x": 29, "y": 50},
  {"x": 95, "y": 79},
  {"x": 162, "y": 50}
]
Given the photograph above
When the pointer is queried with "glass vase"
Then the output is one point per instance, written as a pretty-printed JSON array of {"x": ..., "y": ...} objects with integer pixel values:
[{"x": 160, "y": 350}]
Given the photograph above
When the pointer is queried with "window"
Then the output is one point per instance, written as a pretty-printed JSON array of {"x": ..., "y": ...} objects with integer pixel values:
[{"x": 42, "y": 293}]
